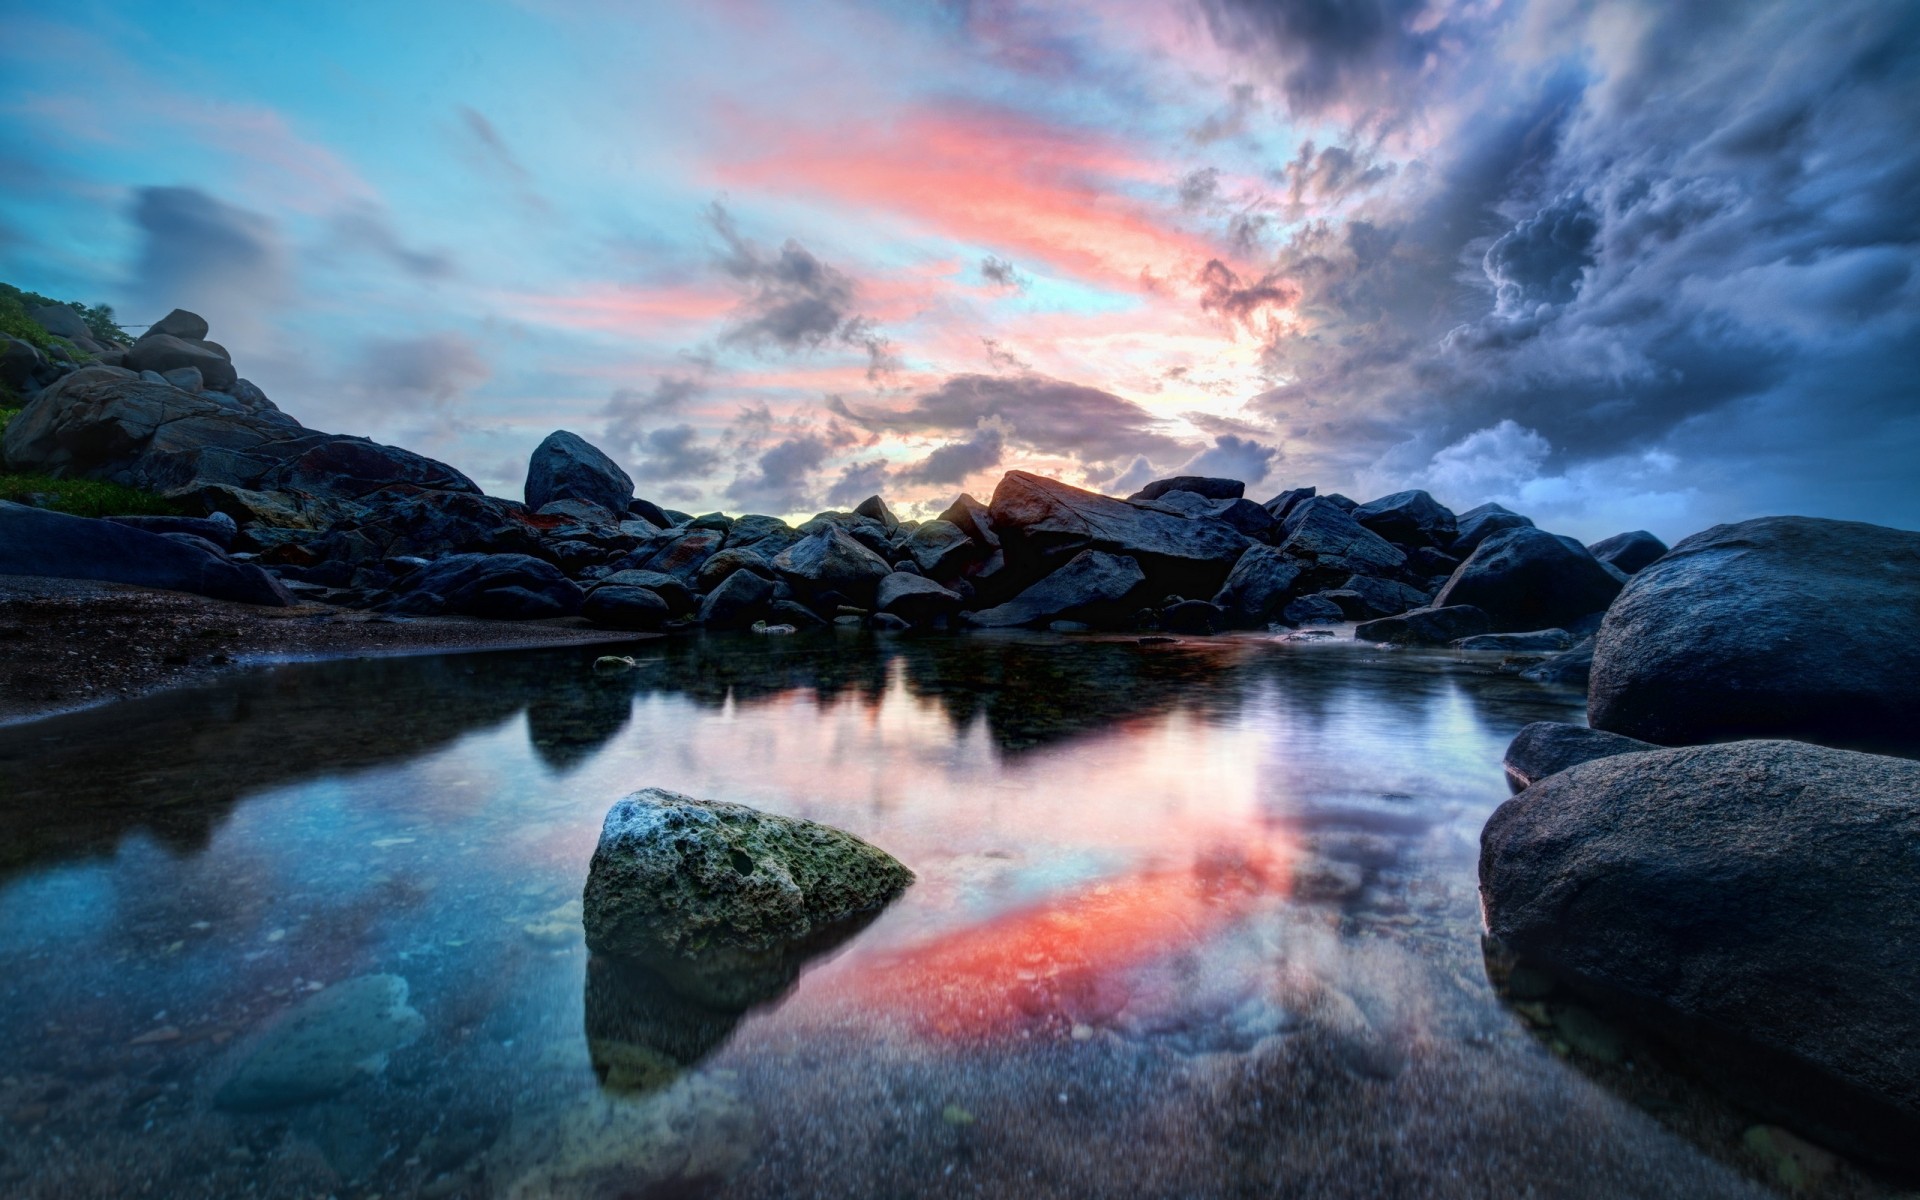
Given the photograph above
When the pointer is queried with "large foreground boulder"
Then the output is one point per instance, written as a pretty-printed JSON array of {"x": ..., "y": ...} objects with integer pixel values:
[
  {"x": 1094, "y": 587},
  {"x": 1527, "y": 578},
  {"x": 1047, "y": 522},
  {"x": 678, "y": 877},
  {"x": 1777, "y": 627},
  {"x": 1259, "y": 587},
  {"x": 1758, "y": 903},
  {"x": 35, "y": 541},
  {"x": 163, "y": 353},
  {"x": 567, "y": 467}
]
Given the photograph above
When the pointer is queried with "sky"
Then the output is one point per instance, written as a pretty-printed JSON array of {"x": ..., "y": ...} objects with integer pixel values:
[{"x": 1615, "y": 265}]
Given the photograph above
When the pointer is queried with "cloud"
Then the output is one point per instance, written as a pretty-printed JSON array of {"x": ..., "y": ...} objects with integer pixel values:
[
  {"x": 629, "y": 410},
  {"x": 493, "y": 156},
  {"x": 1001, "y": 274},
  {"x": 780, "y": 479},
  {"x": 795, "y": 301},
  {"x": 203, "y": 254},
  {"x": 434, "y": 366},
  {"x": 1230, "y": 121},
  {"x": 955, "y": 461},
  {"x": 1234, "y": 457},
  {"x": 673, "y": 454},
  {"x": 857, "y": 482},
  {"x": 368, "y": 229}
]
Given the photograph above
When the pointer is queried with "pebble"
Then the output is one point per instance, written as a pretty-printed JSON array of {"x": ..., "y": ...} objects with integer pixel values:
[{"x": 953, "y": 1114}]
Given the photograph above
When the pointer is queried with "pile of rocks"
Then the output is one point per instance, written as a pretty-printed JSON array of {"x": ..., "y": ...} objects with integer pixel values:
[{"x": 1730, "y": 855}]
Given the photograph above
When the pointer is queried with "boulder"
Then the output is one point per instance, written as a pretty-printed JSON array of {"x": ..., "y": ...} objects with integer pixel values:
[
  {"x": 940, "y": 548},
  {"x": 1378, "y": 597},
  {"x": 1425, "y": 626},
  {"x": 1548, "y": 747},
  {"x": 164, "y": 353},
  {"x": 680, "y": 552},
  {"x": 218, "y": 528},
  {"x": 180, "y": 324},
  {"x": 1317, "y": 609},
  {"x": 1527, "y": 578},
  {"x": 796, "y": 614},
  {"x": 1093, "y": 586},
  {"x": 1628, "y": 552},
  {"x": 36, "y": 541},
  {"x": 1334, "y": 546},
  {"x": 1180, "y": 504},
  {"x": 1571, "y": 669},
  {"x": 674, "y": 878},
  {"x": 1539, "y": 641},
  {"x": 875, "y": 509},
  {"x": 426, "y": 524},
  {"x": 60, "y": 321},
  {"x": 620, "y": 606},
  {"x": 1246, "y": 516},
  {"x": 1188, "y": 616},
  {"x": 1476, "y": 525},
  {"x": 187, "y": 379},
  {"x": 739, "y": 601},
  {"x": 716, "y": 569},
  {"x": 1777, "y": 627},
  {"x": 767, "y": 536},
  {"x": 1758, "y": 903},
  {"x": 1258, "y": 587},
  {"x": 1284, "y": 503},
  {"x": 1201, "y": 485},
  {"x": 1046, "y": 521},
  {"x": 973, "y": 519},
  {"x": 567, "y": 467},
  {"x": 321, "y": 1046},
  {"x": 674, "y": 590},
  {"x": 829, "y": 559},
  {"x": 507, "y": 587},
  {"x": 915, "y": 598},
  {"x": 1411, "y": 518},
  {"x": 20, "y": 364},
  {"x": 653, "y": 514},
  {"x": 887, "y": 623}
]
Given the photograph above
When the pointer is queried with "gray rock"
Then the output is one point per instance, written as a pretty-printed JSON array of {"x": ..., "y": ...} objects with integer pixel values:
[
  {"x": 1758, "y": 903},
  {"x": 940, "y": 548},
  {"x": 1379, "y": 597},
  {"x": 831, "y": 560},
  {"x": 1548, "y": 747},
  {"x": 888, "y": 623},
  {"x": 680, "y": 552},
  {"x": 1187, "y": 616},
  {"x": 652, "y": 513},
  {"x": 60, "y": 321},
  {"x": 767, "y": 536},
  {"x": 567, "y": 467},
  {"x": 1411, "y": 518},
  {"x": 323, "y": 1045},
  {"x": 20, "y": 363},
  {"x": 792, "y": 612},
  {"x": 180, "y": 324},
  {"x": 507, "y": 587},
  {"x": 1777, "y": 627},
  {"x": 1476, "y": 525},
  {"x": 1285, "y": 502},
  {"x": 1093, "y": 586},
  {"x": 1628, "y": 552},
  {"x": 624, "y": 606},
  {"x": 1572, "y": 669},
  {"x": 1425, "y": 626},
  {"x": 740, "y": 600},
  {"x": 218, "y": 528},
  {"x": 37, "y": 541},
  {"x": 915, "y": 598},
  {"x": 1539, "y": 641},
  {"x": 674, "y": 590},
  {"x": 1333, "y": 545},
  {"x": 973, "y": 519},
  {"x": 187, "y": 379},
  {"x": 1246, "y": 516},
  {"x": 1528, "y": 578},
  {"x": 1258, "y": 588},
  {"x": 1316, "y": 609},
  {"x": 875, "y": 509},
  {"x": 674, "y": 877},
  {"x": 1202, "y": 485},
  {"x": 1051, "y": 521},
  {"x": 164, "y": 353},
  {"x": 716, "y": 569}
]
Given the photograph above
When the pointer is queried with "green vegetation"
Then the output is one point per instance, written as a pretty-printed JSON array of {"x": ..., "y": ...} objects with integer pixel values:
[
  {"x": 14, "y": 320},
  {"x": 6, "y": 414},
  {"x": 87, "y": 497}
]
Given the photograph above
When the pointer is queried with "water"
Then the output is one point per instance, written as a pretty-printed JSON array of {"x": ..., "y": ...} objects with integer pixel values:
[{"x": 1191, "y": 920}]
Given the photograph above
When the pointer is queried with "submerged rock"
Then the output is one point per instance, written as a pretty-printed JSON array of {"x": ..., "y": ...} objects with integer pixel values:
[
  {"x": 1758, "y": 903},
  {"x": 323, "y": 1045},
  {"x": 1777, "y": 627},
  {"x": 674, "y": 877}
]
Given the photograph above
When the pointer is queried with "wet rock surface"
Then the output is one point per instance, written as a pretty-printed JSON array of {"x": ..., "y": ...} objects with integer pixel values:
[{"x": 1548, "y": 747}]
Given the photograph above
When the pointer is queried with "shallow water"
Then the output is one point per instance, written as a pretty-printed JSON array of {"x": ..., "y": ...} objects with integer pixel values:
[{"x": 1191, "y": 920}]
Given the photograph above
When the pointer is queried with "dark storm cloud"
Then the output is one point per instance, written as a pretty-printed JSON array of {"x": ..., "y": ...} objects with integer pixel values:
[
  {"x": 1695, "y": 239},
  {"x": 435, "y": 366},
  {"x": 200, "y": 253},
  {"x": 1034, "y": 410},
  {"x": 956, "y": 460}
]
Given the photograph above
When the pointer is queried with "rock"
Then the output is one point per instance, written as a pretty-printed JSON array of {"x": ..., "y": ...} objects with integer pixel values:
[
  {"x": 20, "y": 363},
  {"x": 621, "y": 606},
  {"x": 1180, "y": 504},
  {"x": 915, "y": 598},
  {"x": 1047, "y": 521},
  {"x": 679, "y": 597},
  {"x": 1425, "y": 626},
  {"x": 1755, "y": 902},
  {"x": 1476, "y": 525},
  {"x": 1425, "y": 562},
  {"x": 180, "y": 324},
  {"x": 674, "y": 877},
  {"x": 187, "y": 379},
  {"x": 1284, "y": 503},
  {"x": 973, "y": 519},
  {"x": 716, "y": 569},
  {"x": 37, "y": 541},
  {"x": 1548, "y": 747},
  {"x": 1528, "y": 578},
  {"x": 567, "y": 467},
  {"x": 680, "y": 552},
  {"x": 1376, "y": 597},
  {"x": 1571, "y": 669},
  {"x": 796, "y": 614},
  {"x": 652, "y": 513},
  {"x": 218, "y": 528},
  {"x": 1411, "y": 518},
  {"x": 1547, "y": 641},
  {"x": 887, "y": 623},
  {"x": 1201, "y": 485},
  {"x": 507, "y": 587},
  {"x": 1246, "y": 516},
  {"x": 831, "y": 560},
  {"x": 1188, "y": 616},
  {"x": 323, "y": 1045},
  {"x": 875, "y": 509},
  {"x": 1093, "y": 586},
  {"x": 1313, "y": 610},
  {"x": 766, "y": 536},
  {"x": 718, "y": 521},
  {"x": 1334, "y": 546},
  {"x": 1258, "y": 587},
  {"x": 1628, "y": 552},
  {"x": 940, "y": 548},
  {"x": 739, "y": 601},
  {"x": 61, "y": 321},
  {"x": 1778, "y": 627},
  {"x": 164, "y": 353}
]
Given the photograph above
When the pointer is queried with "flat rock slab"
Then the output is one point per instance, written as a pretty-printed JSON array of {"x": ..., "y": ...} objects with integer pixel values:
[{"x": 323, "y": 1045}]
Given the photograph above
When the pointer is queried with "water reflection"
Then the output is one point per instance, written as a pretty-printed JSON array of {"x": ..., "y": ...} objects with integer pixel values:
[{"x": 1191, "y": 919}]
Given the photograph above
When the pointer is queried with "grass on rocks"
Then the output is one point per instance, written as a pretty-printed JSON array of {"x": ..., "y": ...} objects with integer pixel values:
[{"x": 86, "y": 497}]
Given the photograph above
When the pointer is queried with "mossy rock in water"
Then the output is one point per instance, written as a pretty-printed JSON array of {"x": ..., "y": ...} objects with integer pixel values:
[{"x": 675, "y": 877}]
